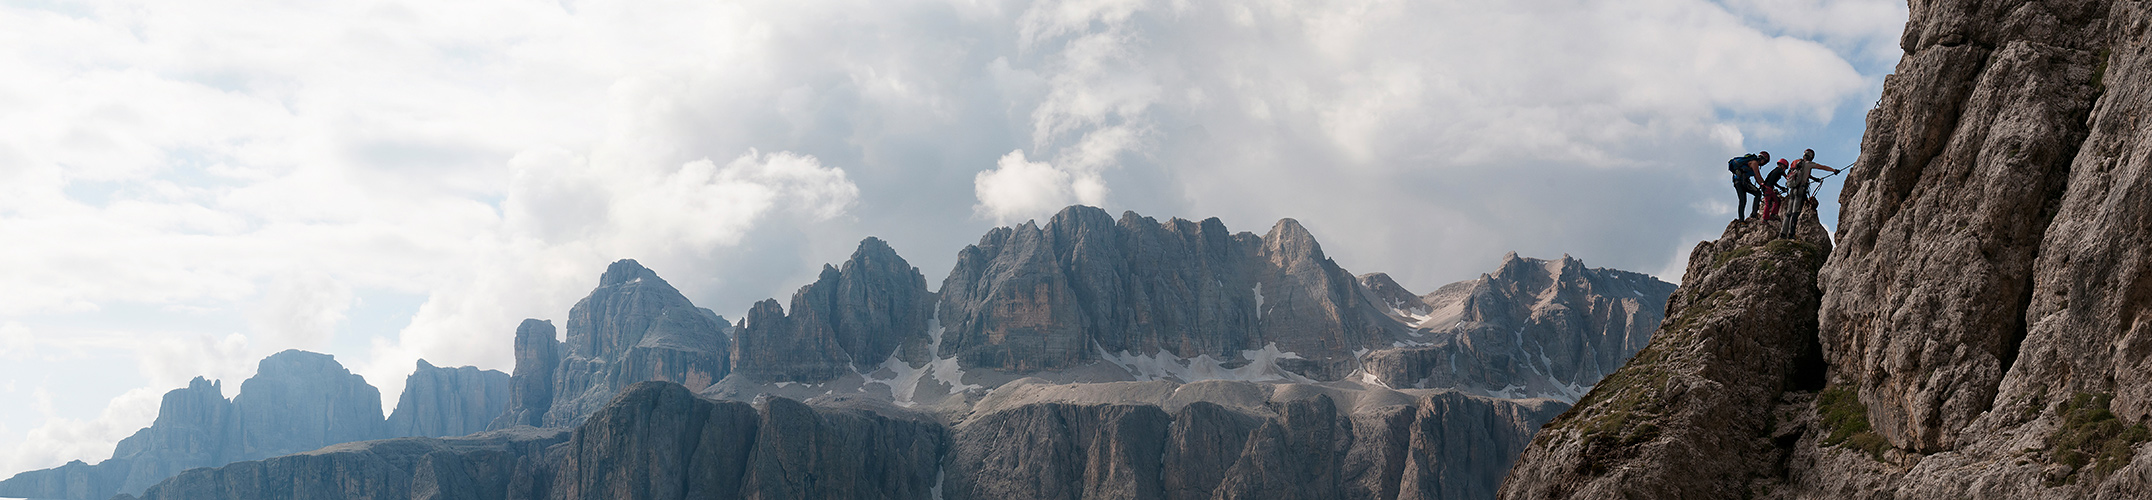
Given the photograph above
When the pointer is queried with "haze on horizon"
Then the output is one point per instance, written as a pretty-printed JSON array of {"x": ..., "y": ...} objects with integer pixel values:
[{"x": 185, "y": 189}]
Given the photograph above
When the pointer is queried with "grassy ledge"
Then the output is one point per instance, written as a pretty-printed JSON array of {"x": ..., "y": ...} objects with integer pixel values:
[
  {"x": 1847, "y": 419},
  {"x": 2091, "y": 434}
]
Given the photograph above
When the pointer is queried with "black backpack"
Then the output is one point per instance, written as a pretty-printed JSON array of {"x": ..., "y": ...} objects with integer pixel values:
[{"x": 1739, "y": 165}]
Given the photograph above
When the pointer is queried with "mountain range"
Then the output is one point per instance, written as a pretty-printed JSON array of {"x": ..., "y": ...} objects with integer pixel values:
[{"x": 1088, "y": 356}]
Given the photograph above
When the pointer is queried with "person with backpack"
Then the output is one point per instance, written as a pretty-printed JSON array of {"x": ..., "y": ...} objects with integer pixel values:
[
  {"x": 1747, "y": 169},
  {"x": 1771, "y": 199},
  {"x": 1797, "y": 180}
]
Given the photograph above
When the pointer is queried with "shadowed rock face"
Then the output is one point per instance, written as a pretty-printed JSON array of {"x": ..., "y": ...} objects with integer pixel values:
[
  {"x": 655, "y": 441},
  {"x": 634, "y": 327},
  {"x": 498, "y": 465},
  {"x": 1440, "y": 445},
  {"x": 440, "y": 402},
  {"x": 859, "y": 314},
  {"x": 1532, "y": 328},
  {"x": 1033, "y": 298}
]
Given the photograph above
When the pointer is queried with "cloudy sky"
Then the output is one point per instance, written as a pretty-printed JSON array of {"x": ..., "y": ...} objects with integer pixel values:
[{"x": 186, "y": 187}]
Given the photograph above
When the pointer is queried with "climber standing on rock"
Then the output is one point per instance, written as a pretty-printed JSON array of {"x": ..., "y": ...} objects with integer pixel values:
[
  {"x": 1771, "y": 190},
  {"x": 1797, "y": 182},
  {"x": 1747, "y": 169}
]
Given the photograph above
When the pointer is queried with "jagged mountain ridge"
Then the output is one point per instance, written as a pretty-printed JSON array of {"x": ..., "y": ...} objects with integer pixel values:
[
  {"x": 297, "y": 401},
  {"x": 1532, "y": 328},
  {"x": 1085, "y": 298},
  {"x": 1138, "y": 292}
]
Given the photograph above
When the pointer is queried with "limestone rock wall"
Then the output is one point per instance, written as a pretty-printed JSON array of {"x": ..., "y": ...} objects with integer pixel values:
[{"x": 442, "y": 402}]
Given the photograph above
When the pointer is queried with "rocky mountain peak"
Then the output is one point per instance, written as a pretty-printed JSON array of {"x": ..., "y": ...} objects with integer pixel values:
[
  {"x": 1288, "y": 242},
  {"x": 625, "y": 271},
  {"x": 858, "y": 313},
  {"x": 1387, "y": 292},
  {"x": 633, "y": 327}
]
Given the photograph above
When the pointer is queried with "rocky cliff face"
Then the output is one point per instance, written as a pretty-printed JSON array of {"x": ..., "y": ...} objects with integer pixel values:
[
  {"x": 1163, "y": 440},
  {"x": 634, "y": 327},
  {"x": 1231, "y": 439},
  {"x": 440, "y": 402},
  {"x": 530, "y": 388},
  {"x": 656, "y": 440},
  {"x": 298, "y": 401},
  {"x": 1532, "y": 328},
  {"x": 850, "y": 319},
  {"x": 1084, "y": 287},
  {"x": 497, "y": 465},
  {"x": 1691, "y": 415},
  {"x": 1981, "y": 318}
]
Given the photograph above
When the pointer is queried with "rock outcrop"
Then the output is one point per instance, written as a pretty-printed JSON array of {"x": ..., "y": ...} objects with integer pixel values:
[
  {"x": 530, "y": 387},
  {"x": 1691, "y": 416},
  {"x": 442, "y": 402},
  {"x": 1964, "y": 165},
  {"x": 634, "y": 327},
  {"x": 1982, "y": 318},
  {"x": 1532, "y": 328}
]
